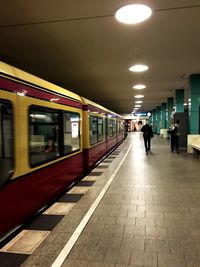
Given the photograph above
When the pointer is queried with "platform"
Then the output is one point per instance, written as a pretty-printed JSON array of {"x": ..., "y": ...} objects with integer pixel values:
[{"x": 132, "y": 210}]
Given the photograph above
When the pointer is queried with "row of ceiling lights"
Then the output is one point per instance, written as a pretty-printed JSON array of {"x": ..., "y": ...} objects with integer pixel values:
[{"x": 133, "y": 14}]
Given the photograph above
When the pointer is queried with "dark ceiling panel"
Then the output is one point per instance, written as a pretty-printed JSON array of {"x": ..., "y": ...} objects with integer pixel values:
[{"x": 80, "y": 46}]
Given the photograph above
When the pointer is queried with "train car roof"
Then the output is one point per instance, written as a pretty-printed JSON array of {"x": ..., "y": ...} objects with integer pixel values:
[
  {"x": 89, "y": 102},
  {"x": 16, "y": 73}
]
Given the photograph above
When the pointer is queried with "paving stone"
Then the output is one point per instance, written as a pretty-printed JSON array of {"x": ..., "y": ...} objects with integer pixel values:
[
  {"x": 12, "y": 259},
  {"x": 45, "y": 222},
  {"x": 172, "y": 260},
  {"x": 155, "y": 245},
  {"x": 144, "y": 258},
  {"x": 70, "y": 198},
  {"x": 74, "y": 263},
  {"x": 133, "y": 243},
  {"x": 134, "y": 230}
]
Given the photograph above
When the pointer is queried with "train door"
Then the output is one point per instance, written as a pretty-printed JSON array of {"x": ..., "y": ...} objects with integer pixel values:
[{"x": 6, "y": 141}]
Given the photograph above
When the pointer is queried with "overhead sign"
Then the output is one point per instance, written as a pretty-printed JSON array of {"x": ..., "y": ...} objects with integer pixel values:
[{"x": 142, "y": 114}]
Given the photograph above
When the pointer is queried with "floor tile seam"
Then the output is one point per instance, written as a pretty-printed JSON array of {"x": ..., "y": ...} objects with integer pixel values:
[
  {"x": 106, "y": 172},
  {"x": 111, "y": 168},
  {"x": 112, "y": 165}
]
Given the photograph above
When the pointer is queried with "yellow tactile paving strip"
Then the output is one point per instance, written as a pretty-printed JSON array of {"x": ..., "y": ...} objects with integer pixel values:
[
  {"x": 25, "y": 242},
  {"x": 89, "y": 178},
  {"x": 59, "y": 208},
  {"x": 79, "y": 190}
]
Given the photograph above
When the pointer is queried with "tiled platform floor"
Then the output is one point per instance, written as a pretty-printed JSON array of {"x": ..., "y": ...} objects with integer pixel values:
[{"x": 149, "y": 216}]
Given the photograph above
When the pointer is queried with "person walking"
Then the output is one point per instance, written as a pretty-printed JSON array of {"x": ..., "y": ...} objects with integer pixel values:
[{"x": 147, "y": 135}]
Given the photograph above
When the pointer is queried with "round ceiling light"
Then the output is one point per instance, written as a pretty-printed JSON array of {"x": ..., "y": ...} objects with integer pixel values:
[
  {"x": 137, "y": 106},
  {"x": 133, "y": 14},
  {"x": 138, "y": 96},
  {"x": 139, "y": 102},
  {"x": 138, "y": 68},
  {"x": 139, "y": 86}
]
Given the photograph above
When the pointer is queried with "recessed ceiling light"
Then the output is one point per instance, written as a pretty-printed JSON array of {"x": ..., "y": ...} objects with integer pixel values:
[
  {"x": 139, "y": 86},
  {"x": 138, "y": 102},
  {"x": 133, "y": 14},
  {"x": 137, "y": 106},
  {"x": 138, "y": 96},
  {"x": 138, "y": 68},
  {"x": 185, "y": 104}
]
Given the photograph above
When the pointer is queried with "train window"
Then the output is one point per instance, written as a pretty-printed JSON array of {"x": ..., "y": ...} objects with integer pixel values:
[
  {"x": 6, "y": 141},
  {"x": 43, "y": 141},
  {"x": 114, "y": 127},
  {"x": 97, "y": 133},
  {"x": 120, "y": 126},
  {"x": 93, "y": 130},
  {"x": 71, "y": 132},
  {"x": 100, "y": 129},
  {"x": 111, "y": 127}
]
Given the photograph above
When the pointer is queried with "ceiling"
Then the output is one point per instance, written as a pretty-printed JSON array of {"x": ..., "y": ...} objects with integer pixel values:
[{"x": 78, "y": 44}]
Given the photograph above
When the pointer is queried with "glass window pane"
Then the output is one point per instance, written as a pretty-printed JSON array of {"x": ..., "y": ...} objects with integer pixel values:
[
  {"x": 43, "y": 135},
  {"x": 100, "y": 129},
  {"x": 40, "y": 116},
  {"x": 110, "y": 127},
  {"x": 71, "y": 132},
  {"x": 114, "y": 127},
  {"x": 6, "y": 141},
  {"x": 93, "y": 130},
  {"x": 121, "y": 126}
]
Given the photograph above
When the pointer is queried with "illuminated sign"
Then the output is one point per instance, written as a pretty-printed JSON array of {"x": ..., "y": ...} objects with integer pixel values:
[
  {"x": 142, "y": 114},
  {"x": 74, "y": 129}
]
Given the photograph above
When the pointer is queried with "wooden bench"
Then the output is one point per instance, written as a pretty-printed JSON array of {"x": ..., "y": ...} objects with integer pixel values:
[{"x": 196, "y": 148}]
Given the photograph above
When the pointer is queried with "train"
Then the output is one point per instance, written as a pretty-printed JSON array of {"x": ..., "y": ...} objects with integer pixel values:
[{"x": 50, "y": 138}]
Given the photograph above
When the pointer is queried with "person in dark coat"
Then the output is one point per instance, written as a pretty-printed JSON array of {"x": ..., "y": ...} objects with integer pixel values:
[
  {"x": 147, "y": 135},
  {"x": 174, "y": 133}
]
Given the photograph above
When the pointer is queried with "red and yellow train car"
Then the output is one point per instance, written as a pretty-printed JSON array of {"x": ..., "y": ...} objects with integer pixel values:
[
  {"x": 40, "y": 141},
  {"x": 49, "y": 138},
  {"x": 103, "y": 130}
]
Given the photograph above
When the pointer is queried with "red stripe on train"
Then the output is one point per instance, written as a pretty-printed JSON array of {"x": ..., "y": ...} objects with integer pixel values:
[{"x": 17, "y": 87}]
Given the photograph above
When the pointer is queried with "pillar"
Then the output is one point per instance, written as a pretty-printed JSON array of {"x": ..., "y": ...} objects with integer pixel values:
[
  {"x": 170, "y": 105},
  {"x": 150, "y": 119},
  {"x": 194, "y": 104},
  {"x": 180, "y": 100},
  {"x": 158, "y": 111},
  {"x": 154, "y": 120},
  {"x": 163, "y": 115}
]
